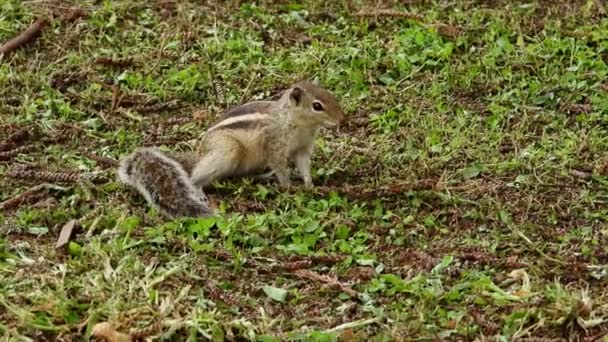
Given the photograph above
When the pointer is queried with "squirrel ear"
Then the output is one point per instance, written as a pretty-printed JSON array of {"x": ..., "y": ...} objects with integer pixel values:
[{"x": 296, "y": 95}]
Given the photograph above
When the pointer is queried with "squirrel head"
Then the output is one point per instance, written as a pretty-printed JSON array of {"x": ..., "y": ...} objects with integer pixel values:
[{"x": 314, "y": 104}]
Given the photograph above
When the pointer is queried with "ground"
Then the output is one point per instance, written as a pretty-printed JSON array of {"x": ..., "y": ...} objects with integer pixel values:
[{"x": 464, "y": 198}]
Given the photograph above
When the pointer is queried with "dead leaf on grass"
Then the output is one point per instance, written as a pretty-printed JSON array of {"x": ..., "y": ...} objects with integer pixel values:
[{"x": 109, "y": 334}]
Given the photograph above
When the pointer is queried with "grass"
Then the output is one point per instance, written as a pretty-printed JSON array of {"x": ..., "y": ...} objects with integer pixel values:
[{"x": 502, "y": 104}]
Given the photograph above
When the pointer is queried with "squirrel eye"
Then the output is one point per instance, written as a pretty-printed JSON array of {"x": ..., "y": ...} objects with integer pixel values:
[{"x": 317, "y": 106}]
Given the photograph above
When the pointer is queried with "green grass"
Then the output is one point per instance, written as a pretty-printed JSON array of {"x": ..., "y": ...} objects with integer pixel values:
[{"x": 508, "y": 115}]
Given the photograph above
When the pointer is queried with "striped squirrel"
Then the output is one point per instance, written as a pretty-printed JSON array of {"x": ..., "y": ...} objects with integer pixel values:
[{"x": 245, "y": 140}]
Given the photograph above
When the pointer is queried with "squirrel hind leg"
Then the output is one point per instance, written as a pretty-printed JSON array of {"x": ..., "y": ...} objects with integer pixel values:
[{"x": 217, "y": 164}]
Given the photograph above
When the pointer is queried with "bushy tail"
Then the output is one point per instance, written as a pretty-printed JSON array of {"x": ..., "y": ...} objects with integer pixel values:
[{"x": 164, "y": 183}]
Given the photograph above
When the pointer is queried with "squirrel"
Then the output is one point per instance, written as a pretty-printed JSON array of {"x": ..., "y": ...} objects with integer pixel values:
[{"x": 244, "y": 140}]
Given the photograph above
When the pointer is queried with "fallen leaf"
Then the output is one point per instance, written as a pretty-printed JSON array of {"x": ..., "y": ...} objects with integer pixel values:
[
  {"x": 107, "y": 332},
  {"x": 275, "y": 293},
  {"x": 66, "y": 233},
  {"x": 580, "y": 174},
  {"x": 472, "y": 171},
  {"x": 346, "y": 335},
  {"x": 521, "y": 274}
]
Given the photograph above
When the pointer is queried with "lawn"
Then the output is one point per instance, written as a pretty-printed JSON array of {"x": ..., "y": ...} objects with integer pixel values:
[{"x": 465, "y": 198}]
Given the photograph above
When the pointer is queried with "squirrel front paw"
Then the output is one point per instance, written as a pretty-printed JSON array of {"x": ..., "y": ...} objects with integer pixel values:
[
  {"x": 286, "y": 186},
  {"x": 308, "y": 182}
]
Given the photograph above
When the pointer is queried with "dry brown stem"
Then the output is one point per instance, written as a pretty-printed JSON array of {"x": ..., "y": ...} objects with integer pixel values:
[
  {"x": 331, "y": 281},
  {"x": 153, "y": 108},
  {"x": 115, "y": 62},
  {"x": 6, "y": 155},
  {"x": 23, "y": 197},
  {"x": 367, "y": 192},
  {"x": 25, "y": 36},
  {"x": 59, "y": 177},
  {"x": 107, "y": 162},
  {"x": 388, "y": 13},
  {"x": 17, "y": 136}
]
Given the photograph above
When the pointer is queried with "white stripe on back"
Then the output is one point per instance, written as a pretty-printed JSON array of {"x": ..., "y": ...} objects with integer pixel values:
[{"x": 256, "y": 116}]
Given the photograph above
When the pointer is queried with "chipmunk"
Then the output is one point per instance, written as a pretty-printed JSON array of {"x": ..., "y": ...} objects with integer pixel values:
[{"x": 246, "y": 139}]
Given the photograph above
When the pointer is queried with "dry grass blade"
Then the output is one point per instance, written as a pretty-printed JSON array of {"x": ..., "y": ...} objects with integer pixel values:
[
  {"x": 601, "y": 9},
  {"x": 355, "y": 324},
  {"x": 25, "y": 37},
  {"x": 116, "y": 98}
]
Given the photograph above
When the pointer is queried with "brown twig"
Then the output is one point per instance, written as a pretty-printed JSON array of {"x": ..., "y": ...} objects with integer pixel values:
[
  {"x": 25, "y": 37},
  {"x": 157, "y": 107},
  {"x": 141, "y": 333},
  {"x": 365, "y": 192},
  {"x": 6, "y": 155},
  {"x": 115, "y": 62},
  {"x": 448, "y": 31},
  {"x": 60, "y": 177},
  {"x": 331, "y": 281},
  {"x": 541, "y": 339},
  {"x": 292, "y": 265},
  {"x": 23, "y": 197},
  {"x": 216, "y": 293},
  {"x": 596, "y": 337},
  {"x": 219, "y": 93},
  {"x": 177, "y": 121},
  {"x": 61, "y": 81},
  {"x": 107, "y": 162},
  {"x": 388, "y": 13},
  {"x": 19, "y": 135},
  {"x": 319, "y": 259},
  {"x": 489, "y": 328},
  {"x": 74, "y": 14},
  {"x": 116, "y": 98}
]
